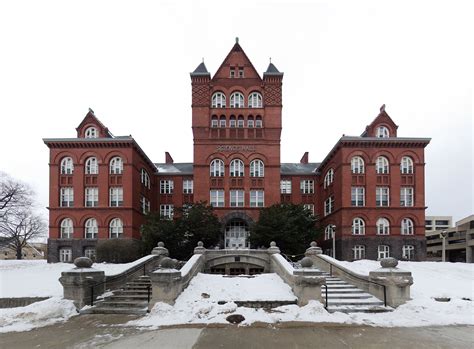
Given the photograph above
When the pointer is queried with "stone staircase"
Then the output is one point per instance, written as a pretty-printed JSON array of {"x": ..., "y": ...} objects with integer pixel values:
[
  {"x": 347, "y": 298},
  {"x": 132, "y": 299}
]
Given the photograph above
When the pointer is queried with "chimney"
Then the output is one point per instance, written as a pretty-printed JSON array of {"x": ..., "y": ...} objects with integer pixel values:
[
  {"x": 304, "y": 159},
  {"x": 169, "y": 159}
]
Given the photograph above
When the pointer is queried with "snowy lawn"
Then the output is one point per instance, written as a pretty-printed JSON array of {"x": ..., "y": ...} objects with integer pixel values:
[{"x": 431, "y": 279}]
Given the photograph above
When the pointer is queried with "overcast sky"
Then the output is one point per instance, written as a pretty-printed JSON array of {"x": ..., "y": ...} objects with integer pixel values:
[{"x": 130, "y": 62}]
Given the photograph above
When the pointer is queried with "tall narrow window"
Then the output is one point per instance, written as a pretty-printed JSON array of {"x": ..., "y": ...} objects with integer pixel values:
[
  {"x": 166, "y": 186},
  {"x": 214, "y": 121},
  {"x": 382, "y": 196},
  {"x": 218, "y": 100},
  {"x": 236, "y": 168},
  {"x": 329, "y": 178},
  {"x": 406, "y": 166},
  {"x": 67, "y": 197},
  {"x": 257, "y": 168},
  {"x": 91, "y": 132},
  {"x": 116, "y": 197},
  {"x": 258, "y": 122},
  {"x": 285, "y": 186},
  {"x": 382, "y": 132},
  {"x": 67, "y": 228},
  {"x": 217, "y": 198},
  {"x": 408, "y": 252},
  {"x": 309, "y": 207},
  {"x": 91, "y": 229},
  {"x": 145, "y": 204},
  {"x": 307, "y": 186},
  {"x": 257, "y": 198},
  {"x": 329, "y": 205},
  {"x": 357, "y": 165},
  {"x": 383, "y": 226},
  {"x": 116, "y": 165},
  {"x": 116, "y": 228},
  {"x": 250, "y": 122},
  {"x": 359, "y": 252},
  {"x": 328, "y": 232},
  {"x": 217, "y": 168},
  {"x": 236, "y": 198},
  {"x": 383, "y": 251},
  {"x": 92, "y": 166},
  {"x": 237, "y": 100},
  {"x": 241, "y": 72},
  {"x": 188, "y": 186},
  {"x": 232, "y": 122},
  {"x": 255, "y": 100},
  {"x": 357, "y": 196},
  {"x": 240, "y": 121},
  {"x": 222, "y": 122},
  {"x": 145, "y": 178},
  {"x": 407, "y": 227},
  {"x": 91, "y": 197},
  {"x": 358, "y": 226},
  {"x": 67, "y": 166},
  {"x": 381, "y": 165},
  {"x": 406, "y": 196},
  {"x": 166, "y": 211}
]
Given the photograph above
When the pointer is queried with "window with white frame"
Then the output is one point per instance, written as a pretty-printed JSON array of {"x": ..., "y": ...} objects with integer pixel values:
[
  {"x": 145, "y": 178},
  {"x": 381, "y": 165},
  {"x": 222, "y": 122},
  {"x": 406, "y": 165},
  {"x": 328, "y": 205},
  {"x": 383, "y": 226},
  {"x": 309, "y": 207},
  {"x": 236, "y": 100},
  {"x": 67, "y": 197},
  {"x": 358, "y": 226},
  {"x": 328, "y": 231},
  {"x": 236, "y": 168},
  {"x": 408, "y": 252},
  {"x": 67, "y": 166},
  {"x": 115, "y": 228},
  {"x": 357, "y": 196},
  {"x": 91, "y": 229},
  {"x": 255, "y": 100},
  {"x": 328, "y": 178},
  {"x": 236, "y": 198},
  {"x": 218, "y": 100},
  {"x": 91, "y": 132},
  {"x": 250, "y": 122},
  {"x": 91, "y": 197},
  {"x": 382, "y": 132},
  {"x": 217, "y": 198},
  {"x": 407, "y": 227},
  {"x": 240, "y": 121},
  {"x": 214, "y": 121},
  {"x": 257, "y": 198},
  {"x": 307, "y": 186},
  {"x": 166, "y": 211},
  {"x": 258, "y": 122},
  {"x": 383, "y": 251},
  {"x": 358, "y": 252},
  {"x": 406, "y": 196},
  {"x": 67, "y": 228},
  {"x": 188, "y": 186},
  {"x": 145, "y": 204},
  {"x": 166, "y": 186},
  {"x": 92, "y": 166},
  {"x": 116, "y": 197},
  {"x": 232, "y": 72},
  {"x": 241, "y": 72},
  {"x": 116, "y": 165},
  {"x": 382, "y": 196},
  {"x": 217, "y": 168},
  {"x": 232, "y": 122},
  {"x": 357, "y": 165},
  {"x": 285, "y": 186},
  {"x": 89, "y": 252},
  {"x": 65, "y": 254},
  {"x": 257, "y": 168}
]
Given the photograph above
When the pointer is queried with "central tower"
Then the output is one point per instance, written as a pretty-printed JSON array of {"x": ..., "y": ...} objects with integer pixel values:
[{"x": 236, "y": 122}]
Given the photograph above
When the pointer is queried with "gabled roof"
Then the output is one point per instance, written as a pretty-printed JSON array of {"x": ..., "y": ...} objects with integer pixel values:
[
  {"x": 91, "y": 118},
  {"x": 383, "y": 117},
  {"x": 236, "y": 49},
  {"x": 200, "y": 70}
]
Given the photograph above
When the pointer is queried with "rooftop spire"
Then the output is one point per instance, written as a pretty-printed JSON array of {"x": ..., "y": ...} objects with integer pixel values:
[{"x": 236, "y": 39}]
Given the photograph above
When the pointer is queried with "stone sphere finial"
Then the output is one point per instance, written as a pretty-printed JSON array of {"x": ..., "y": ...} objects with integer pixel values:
[
  {"x": 273, "y": 248},
  {"x": 200, "y": 244},
  {"x": 306, "y": 262},
  {"x": 161, "y": 244},
  {"x": 160, "y": 249},
  {"x": 389, "y": 262},
  {"x": 168, "y": 263},
  {"x": 313, "y": 244},
  {"x": 83, "y": 262},
  {"x": 273, "y": 244}
]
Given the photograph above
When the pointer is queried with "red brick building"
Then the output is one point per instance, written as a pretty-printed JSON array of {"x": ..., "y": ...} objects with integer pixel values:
[{"x": 369, "y": 190}]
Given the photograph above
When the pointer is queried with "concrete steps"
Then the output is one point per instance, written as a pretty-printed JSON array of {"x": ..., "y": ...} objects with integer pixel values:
[{"x": 347, "y": 298}]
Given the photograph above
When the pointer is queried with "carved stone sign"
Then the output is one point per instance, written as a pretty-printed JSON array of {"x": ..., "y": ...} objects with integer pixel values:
[{"x": 223, "y": 148}]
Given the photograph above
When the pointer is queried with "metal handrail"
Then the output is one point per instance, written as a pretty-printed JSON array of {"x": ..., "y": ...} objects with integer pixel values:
[{"x": 326, "y": 303}]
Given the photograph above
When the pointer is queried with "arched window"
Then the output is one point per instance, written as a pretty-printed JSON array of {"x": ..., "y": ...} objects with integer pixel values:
[
  {"x": 236, "y": 100},
  {"x": 91, "y": 229},
  {"x": 236, "y": 168},
  {"x": 115, "y": 228},
  {"x": 214, "y": 121},
  {"x": 116, "y": 165},
  {"x": 217, "y": 168},
  {"x": 218, "y": 100},
  {"x": 67, "y": 167},
  {"x": 67, "y": 228},
  {"x": 92, "y": 166},
  {"x": 407, "y": 226},
  {"x": 383, "y": 226},
  {"x": 255, "y": 100},
  {"x": 258, "y": 122},
  {"x": 329, "y": 178},
  {"x": 382, "y": 132},
  {"x": 250, "y": 122},
  {"x": 358, "y": 226},
  {"x": 257, "y": 168},
  {"x": 381, "y": 165},
  {"x": 406, "y": 166},
  {"x": 145, "y": 178},
  {"x": 328, "y": 231},
  {"x": 240, "y": 121},
  {"x": 91, "y": 132},
  {"x": 232, "y": 121},
  {"x": 357, "y": 165},
  {"x": 222, "y": 121}
]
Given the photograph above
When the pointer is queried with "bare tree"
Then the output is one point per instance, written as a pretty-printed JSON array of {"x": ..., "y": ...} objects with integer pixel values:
[{"x": 13, "y": 194}]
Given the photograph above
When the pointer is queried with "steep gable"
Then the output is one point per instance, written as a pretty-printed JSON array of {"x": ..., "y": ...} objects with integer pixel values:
[
  {"x": 90, "y": 120},
  {"x": 383, "y": 119}
]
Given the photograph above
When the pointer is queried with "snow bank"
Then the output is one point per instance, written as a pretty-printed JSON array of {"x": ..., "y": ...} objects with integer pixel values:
[{"x": 38, "y": 314}]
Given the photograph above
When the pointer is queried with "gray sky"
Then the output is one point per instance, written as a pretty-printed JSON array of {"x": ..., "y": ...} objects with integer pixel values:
[{"x": 130, "y": 62}]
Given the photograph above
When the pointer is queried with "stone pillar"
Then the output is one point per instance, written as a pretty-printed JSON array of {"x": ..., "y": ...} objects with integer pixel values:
[
  {"x": 166, "y": 282},
  {"x": 397, "y": 282},
  {"x": 160, "y": 250},
  {"x": 199, "y": 249},
  {"x": 308, "y": 288},
  {"x": 78, "y": 283}
]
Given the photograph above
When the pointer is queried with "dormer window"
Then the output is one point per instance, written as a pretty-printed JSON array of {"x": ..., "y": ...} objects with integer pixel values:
[
  {"x": 382, "y": 132},
  {"x": 91, "y": 132}
]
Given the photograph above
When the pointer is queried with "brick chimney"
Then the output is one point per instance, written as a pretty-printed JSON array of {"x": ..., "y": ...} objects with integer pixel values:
[
  {"x": 169, "y": 159},
  {"x": 304, "y": 159}
]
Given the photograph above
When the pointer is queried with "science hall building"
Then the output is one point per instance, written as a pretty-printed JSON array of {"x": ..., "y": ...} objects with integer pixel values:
[{"x": 369, "y": 189}]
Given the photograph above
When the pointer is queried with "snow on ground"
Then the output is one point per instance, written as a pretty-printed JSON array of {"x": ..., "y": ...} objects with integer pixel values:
[{"x": 38, "y": 314}]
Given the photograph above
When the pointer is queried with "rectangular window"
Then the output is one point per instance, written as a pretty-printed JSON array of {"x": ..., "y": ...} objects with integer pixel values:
[
  {"x": 328, "y": 205},
  {"x": 406, "y": 196},
  {"x": 188, "y": 186},
  {"x": 382, "y": 196},
  {"x": 232, "y": 72},
  {"x": 67, "y": 197},
  {"x": 240, "y": 123},
  {"x": 256, "y": 198},
  {"x": 217, "y": 198},
  {"x": 236, "y": 198},
  {"x": 383, "y": 251},
  {"x": 89, "y": 252},
  {"x": 285, "y": 186},
  {"x": 116, "y": 197},
  {"x": 166, "y": 186},
  {"x": 222, "y": 123},
  {"x": 359, "y": 252},
  {"x": 65, "y": 255},
  {"x": 214, "y": 122},
  {"x": 166, "y": 211},
  {"x": 145, "y": 204},
  {"x": 408, "y": 252},
  {"x": 250, "y": 123},
  {"x": 309, "y": 207},
  {"x": 241, "y": 72},
  {"x": 307, "y": 186},
  {"x": 357, "y": 196},
  {"x": 92, "y": 197},
  {"x": 232, "y": 123}
]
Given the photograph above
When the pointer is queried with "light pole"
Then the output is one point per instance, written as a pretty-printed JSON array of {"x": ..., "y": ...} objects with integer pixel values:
[
  {"x": 443, "y": 235},
  {"x": 333, "y": 241}
]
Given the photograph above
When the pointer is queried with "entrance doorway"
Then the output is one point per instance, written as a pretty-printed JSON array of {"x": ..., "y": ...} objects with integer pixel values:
[{"x": 236, "y": 234}]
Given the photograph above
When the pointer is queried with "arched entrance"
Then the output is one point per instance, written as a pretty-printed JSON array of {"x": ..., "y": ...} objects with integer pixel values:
[{"x": 236, "y": 234}]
